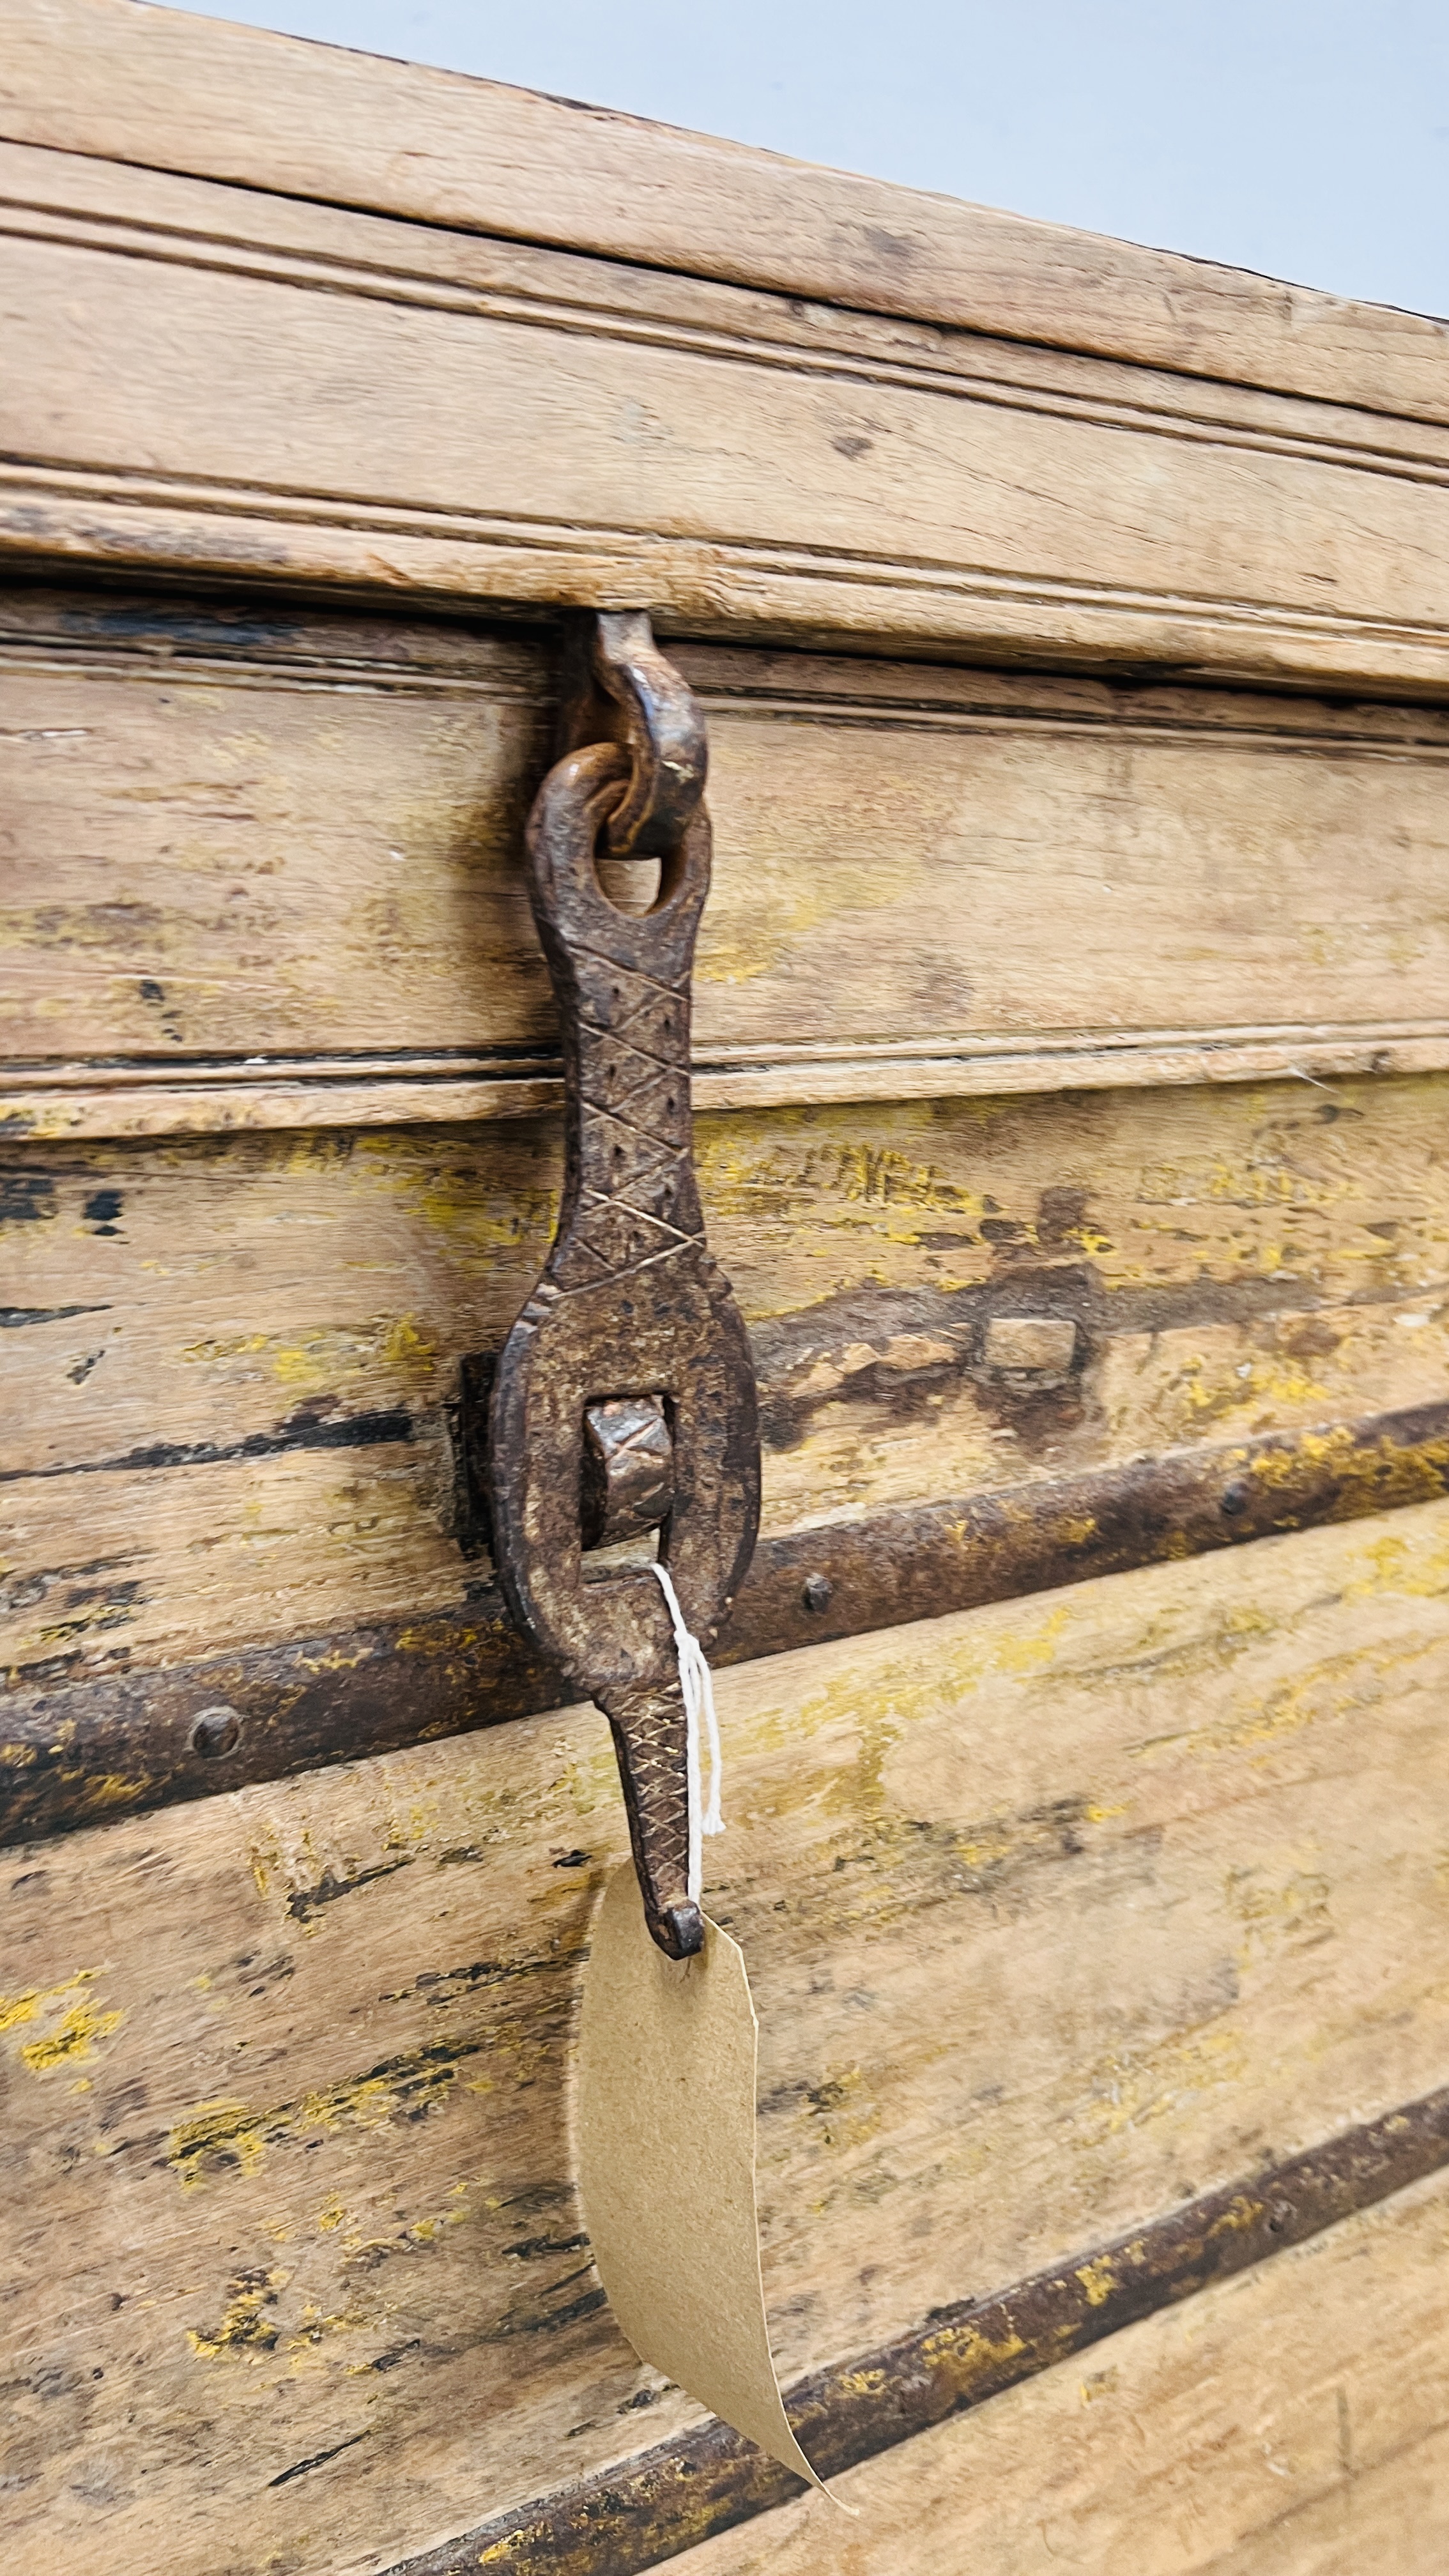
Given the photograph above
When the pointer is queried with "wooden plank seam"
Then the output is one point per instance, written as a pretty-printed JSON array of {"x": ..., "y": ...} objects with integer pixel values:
[
  {"x": 75, "y": 1752},
  {"x": 646, "y": 2510}
]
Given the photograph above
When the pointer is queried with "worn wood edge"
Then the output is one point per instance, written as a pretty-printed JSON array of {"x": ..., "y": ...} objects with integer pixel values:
[
  {"x": 647, "y": 2509},
  {"x": 63, "y": 199},
  {"x": 156, "y": 632},
  {"x": 108, "y": 78},
  {"x": 75, "y": 1753},
  {"x": 56, "y": 521},
  {"x": 47, "y": 1104}
]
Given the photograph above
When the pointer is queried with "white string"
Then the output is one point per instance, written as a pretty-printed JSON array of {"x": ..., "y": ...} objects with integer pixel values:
[{"x": 698, "y": 1688}]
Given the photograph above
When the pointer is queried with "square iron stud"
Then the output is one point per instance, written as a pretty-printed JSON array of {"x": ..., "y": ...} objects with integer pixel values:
[{"x": 628, "y": 1469}]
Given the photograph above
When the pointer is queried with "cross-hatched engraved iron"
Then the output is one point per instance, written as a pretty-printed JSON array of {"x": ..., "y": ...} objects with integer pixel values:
[{"x": 630, "y": 1304}]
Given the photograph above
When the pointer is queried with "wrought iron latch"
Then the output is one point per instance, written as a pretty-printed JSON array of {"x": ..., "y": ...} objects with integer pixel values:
[{"x": 624, "y": 1398}]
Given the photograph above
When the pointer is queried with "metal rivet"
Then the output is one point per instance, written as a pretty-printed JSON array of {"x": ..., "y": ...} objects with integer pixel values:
[
  {"x": 818, "y": 1592},
  {"x": 216, "y": 1730}
]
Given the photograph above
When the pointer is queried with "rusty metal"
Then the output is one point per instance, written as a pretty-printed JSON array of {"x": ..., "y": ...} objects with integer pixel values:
[
  {"x": 639, "y": 2512},
  {"x": 631, "y": 1308},
  {"x": 618, "y": 687},
  {"x": 77, "y": 1751},
  {"x": 217, "y": 1732},
  {"x": 628, "y": 1463}
]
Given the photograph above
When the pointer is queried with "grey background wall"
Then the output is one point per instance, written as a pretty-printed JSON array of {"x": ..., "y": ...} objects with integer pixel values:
[{"x": 1306, "y": 138}]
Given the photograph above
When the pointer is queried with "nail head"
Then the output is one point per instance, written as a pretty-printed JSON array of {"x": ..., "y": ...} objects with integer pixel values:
[{"x": 216, "y": 1731}]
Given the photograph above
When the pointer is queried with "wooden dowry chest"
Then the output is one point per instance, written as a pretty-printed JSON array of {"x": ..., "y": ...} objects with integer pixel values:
[{"x": 1070, "y": 1042}]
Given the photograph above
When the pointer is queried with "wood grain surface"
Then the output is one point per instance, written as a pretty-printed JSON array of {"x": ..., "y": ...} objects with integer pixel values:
[
  {"x": 348, "y": 401},
  {"x": 172, "y": 92},
  {"x": 632, "y": 2516},
  {"x": 229, "y": 1361},
  {"x": 1288, "y": 2423},
  {"x": 266, "y": 867},
  {"x": 1073, "y": 1020},
  {"x": 125, "y": 1738},
  {"x": 1057, "y": 1915}
]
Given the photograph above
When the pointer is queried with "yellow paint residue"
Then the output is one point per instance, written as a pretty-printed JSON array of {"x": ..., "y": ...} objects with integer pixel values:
[
  {"x": 422, "y": 1641},
  {"x": 1241, "y": 2215},
  {"x": 1028, "y": 1652},
  {"x": 227, "y": 2135},
  {"x": 73, "y": 2036},
  {"x": 982, "y": 1852},
  {"x": 480, "y": 1224},
  {"x": 969, "y": 2354},
  {"x": 313, "y": 1366},
  {"x": 108, "y": 1789},
  {"x": 1324, "y": 1692},
  {"x": 1101, "y": 2384},
  {"x": 1098, "y": 2279},
  {"x": 423, "y": 2231},
  {"x": 1332, "y": 1449},
  {"x": 1416, "y": 1573},
  {"x": 245, "y": 2326},
  {"x": 1163, "y": 2080},
  {"x": 1262, "y": 1379},
  {"x": 323, "y": 1361},
  {"x": 1295, "y": 1908},
  {"x": 228, "y": 2129},
  {"x": 821, "y": 1177},
  {"x": 237, "y": 1346},
  {"x": 314, "y": 2326},
  {"x": 408, "y": 1350},
  {"x": 1075, "y": 1532},
  {"x": 865, "y": 2383},
  {"x": 846, "y": 2120},
  {"x": 340, "y": 1659},
  {"x": 74, "y": 2039}
]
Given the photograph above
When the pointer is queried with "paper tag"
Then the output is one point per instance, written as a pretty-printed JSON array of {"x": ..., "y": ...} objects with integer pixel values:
[{"x": 665, "y": 2161}]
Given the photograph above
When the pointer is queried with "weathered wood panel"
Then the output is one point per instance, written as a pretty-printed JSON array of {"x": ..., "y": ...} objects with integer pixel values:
[
  {"x": 229, "y": 1361},
  {"x": 251, "y": 835},
  {"x": 340, "y": 406},
  {"x": 1288, "y": 2423},
  {"x": 134, "y": 1737},
  {"x": 1062, "y": 1915},
  {"x": 245, "y": 839},
  {"x": 98, "y": 76},
  {"x": 1057, "y": 1915},
  {"x": 630, "y": 2516}
]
